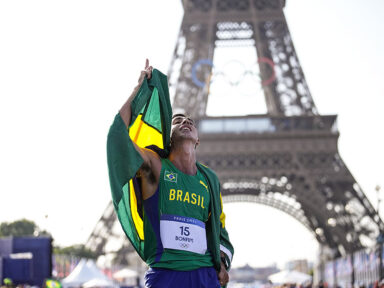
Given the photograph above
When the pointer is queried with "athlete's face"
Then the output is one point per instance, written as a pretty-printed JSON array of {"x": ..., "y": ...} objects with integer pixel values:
[{"x": 183, "y": 127}]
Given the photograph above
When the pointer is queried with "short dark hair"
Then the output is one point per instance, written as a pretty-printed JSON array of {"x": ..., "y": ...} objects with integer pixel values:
[
  {"x": 183, "y": 115},
  {"x": 179, "y": 114}
]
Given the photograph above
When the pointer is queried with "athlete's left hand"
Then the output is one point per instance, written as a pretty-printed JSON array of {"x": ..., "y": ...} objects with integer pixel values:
[{"x": 223, "y": 275}]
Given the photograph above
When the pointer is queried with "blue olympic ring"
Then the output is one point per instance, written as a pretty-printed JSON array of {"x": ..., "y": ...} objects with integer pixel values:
[{"x": 194, "y": 71}]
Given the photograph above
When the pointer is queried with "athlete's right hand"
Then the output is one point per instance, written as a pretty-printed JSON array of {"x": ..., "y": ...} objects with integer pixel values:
[{"x": 146, "y": 73}]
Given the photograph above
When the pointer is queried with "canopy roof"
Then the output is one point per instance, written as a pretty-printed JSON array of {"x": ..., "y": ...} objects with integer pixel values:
[
  {"x": 85, "y": 271},
  {"x": 292, "y": 277}
]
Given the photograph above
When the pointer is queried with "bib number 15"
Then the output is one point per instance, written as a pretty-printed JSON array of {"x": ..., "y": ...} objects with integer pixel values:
[{"x": 184, "y": 231}]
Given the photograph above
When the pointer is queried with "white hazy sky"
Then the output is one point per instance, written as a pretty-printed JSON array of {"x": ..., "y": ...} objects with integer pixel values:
[{"x": 66, "y": 67}]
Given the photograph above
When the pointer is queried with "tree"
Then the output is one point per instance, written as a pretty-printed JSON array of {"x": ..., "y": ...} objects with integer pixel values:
[
  {"x": 26, "y": 227},
  {"x": 21, "y": 227},
  {"x": 76, "y": 250}
]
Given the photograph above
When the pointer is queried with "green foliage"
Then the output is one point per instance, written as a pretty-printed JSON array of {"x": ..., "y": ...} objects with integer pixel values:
[
  {"x": 75, "y": 250},
  {"x": 26, "y": 227},
  {"x": 20, "y": 228}
]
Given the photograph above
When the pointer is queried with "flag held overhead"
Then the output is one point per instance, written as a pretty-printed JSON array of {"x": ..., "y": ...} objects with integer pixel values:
[{"x": 150, "y": 125}]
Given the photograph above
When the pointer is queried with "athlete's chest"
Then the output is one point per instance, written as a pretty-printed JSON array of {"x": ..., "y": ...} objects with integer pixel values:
[{"x": 184, "y": 195}]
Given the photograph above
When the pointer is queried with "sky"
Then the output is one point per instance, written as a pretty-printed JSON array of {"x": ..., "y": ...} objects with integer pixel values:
[{"x": 66, "y": 67}]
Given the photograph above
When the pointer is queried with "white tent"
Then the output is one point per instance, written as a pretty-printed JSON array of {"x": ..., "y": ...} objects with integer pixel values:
[
  {"x": 293, "y": 277},
  {"x": 125, "y": 273},
  {"x": 98, "y": 283},
  {"x": 126, "y": 276},
  {"x": 85, "y": 271}
]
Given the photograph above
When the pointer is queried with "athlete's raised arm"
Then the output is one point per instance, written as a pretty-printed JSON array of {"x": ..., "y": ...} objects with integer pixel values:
[{"x": 150, "y": 170}]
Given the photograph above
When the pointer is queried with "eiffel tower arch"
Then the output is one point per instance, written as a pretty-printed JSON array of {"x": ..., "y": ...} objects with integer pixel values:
[{"x": 287, "y": 158}]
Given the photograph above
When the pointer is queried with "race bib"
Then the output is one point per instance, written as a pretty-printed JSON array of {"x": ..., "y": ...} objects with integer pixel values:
[{"x": 183, "y": 233}]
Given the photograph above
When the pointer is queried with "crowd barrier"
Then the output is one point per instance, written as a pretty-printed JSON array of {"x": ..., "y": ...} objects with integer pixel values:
[{"x": 360, "y": 269}]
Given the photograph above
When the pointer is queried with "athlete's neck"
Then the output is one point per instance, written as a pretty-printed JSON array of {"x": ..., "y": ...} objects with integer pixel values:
[{"x": 183, "y": 156}]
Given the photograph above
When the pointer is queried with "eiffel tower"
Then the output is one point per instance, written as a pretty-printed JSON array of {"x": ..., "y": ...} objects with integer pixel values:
[{"x": 287, "y": 158}]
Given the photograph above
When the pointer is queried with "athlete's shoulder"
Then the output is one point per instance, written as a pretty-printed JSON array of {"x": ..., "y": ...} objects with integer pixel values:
[{"x": 210, "y": 173}]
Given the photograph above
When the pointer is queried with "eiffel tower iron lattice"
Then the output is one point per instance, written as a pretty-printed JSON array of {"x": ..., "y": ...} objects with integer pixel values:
[{"x": 288, "y": 158}]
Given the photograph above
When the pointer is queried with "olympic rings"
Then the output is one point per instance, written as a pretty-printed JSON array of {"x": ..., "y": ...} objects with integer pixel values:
[{"x": 209, "y": 62}]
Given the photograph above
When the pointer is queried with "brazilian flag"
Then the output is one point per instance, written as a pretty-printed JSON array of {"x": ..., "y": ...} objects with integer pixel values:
[{"x": 150, "y": 125}]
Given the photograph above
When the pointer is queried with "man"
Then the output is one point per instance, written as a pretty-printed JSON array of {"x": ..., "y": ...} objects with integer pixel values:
[{"x": 180, "y": 232}]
